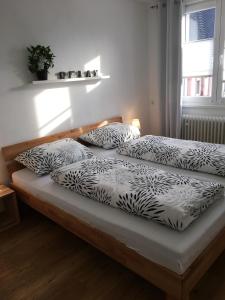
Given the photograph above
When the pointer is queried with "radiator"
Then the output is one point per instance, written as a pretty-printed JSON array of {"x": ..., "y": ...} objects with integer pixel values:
[{"x": 203, "y": 128}]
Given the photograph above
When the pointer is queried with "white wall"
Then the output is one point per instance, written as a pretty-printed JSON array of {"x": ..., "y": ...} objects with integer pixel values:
[
  {"x": 154, "y": 68},
  {"x": 113, "y": 31}
]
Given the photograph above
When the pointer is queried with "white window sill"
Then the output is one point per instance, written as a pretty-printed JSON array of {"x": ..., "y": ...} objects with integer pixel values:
[
  {"x": 203, "y": 102},
  {"x": 197, "y": 105}
]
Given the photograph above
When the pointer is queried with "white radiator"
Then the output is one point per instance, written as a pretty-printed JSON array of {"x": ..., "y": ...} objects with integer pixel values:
[{"x": 203, "y": 128}]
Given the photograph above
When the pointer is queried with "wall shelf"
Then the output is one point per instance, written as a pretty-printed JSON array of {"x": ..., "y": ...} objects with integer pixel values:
[{"x": 68, "y": 80}]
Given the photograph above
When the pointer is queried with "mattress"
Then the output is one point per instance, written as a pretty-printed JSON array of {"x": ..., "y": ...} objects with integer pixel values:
[{"x": 171, "y": 249}]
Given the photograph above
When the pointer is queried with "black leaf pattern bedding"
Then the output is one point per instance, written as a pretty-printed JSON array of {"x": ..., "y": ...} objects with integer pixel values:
[
  {"x": 170, "y": 199},
  {"x": 191, "y": 155}
]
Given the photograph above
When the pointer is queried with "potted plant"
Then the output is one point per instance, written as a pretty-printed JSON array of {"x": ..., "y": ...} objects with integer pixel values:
[{"x": 40, "y": 59}]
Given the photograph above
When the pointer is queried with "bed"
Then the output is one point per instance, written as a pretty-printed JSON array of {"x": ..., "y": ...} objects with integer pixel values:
[{"x": 171, "y": 260}]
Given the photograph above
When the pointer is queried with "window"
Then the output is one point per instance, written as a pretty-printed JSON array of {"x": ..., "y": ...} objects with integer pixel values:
[{"x": 203, "y": 52}]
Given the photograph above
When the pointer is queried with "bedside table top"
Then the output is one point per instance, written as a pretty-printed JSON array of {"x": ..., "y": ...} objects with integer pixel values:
[{"x": 5, "y": 191}]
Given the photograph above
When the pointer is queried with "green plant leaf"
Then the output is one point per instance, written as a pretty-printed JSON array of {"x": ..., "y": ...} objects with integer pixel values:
[{"x": 39, "y": 58}]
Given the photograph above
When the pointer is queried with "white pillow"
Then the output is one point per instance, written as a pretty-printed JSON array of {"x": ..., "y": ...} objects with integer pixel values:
[
  {"x": 112, "y": 135},
  {"x": 45, "y": 158}
]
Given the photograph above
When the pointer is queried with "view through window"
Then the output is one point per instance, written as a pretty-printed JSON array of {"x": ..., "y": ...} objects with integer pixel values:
[
  {"x": 203, "y": 31},
  {"x": 198, "y": 53}
]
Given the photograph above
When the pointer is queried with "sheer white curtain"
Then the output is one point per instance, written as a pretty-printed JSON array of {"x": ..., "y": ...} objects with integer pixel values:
[{"x": 171, "y": 66}]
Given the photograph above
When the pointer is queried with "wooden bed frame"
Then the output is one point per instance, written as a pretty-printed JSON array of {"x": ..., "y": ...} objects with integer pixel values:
[{"x": 177, "y": 287}]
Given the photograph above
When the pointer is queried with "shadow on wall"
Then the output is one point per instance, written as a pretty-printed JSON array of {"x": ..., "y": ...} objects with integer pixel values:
[{"x": 18, "y": 62}]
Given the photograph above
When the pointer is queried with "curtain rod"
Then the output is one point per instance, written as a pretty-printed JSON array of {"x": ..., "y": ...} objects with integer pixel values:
[{"x": 157, "y": 5}]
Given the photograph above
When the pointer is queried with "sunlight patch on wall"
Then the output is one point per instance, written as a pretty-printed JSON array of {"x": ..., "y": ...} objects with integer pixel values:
[
  {"x": 53, "y": 108},
  {"x": 94, "y": 64},
  {"x": 91, "y": 87}
]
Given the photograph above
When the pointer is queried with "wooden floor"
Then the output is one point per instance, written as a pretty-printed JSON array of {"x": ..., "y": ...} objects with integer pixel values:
[{"x": 40, "y": 260}]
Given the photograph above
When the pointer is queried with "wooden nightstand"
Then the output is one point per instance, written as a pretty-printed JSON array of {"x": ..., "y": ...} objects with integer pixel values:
[{"x": 10, "y": 215}]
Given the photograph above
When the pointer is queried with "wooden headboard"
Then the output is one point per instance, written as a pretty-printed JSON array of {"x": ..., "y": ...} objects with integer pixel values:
[{"x": 11, "y": 151}]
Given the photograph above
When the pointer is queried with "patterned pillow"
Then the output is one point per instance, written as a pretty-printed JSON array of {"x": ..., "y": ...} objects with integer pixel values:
[
  {"x": 111, "y": 136},
  {"x": 45, "y": 158}
]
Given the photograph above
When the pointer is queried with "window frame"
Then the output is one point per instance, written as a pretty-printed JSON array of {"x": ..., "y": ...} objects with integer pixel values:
[
  {"x": 216, "y": 98},
  {"x": 221, "y": 66}
]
